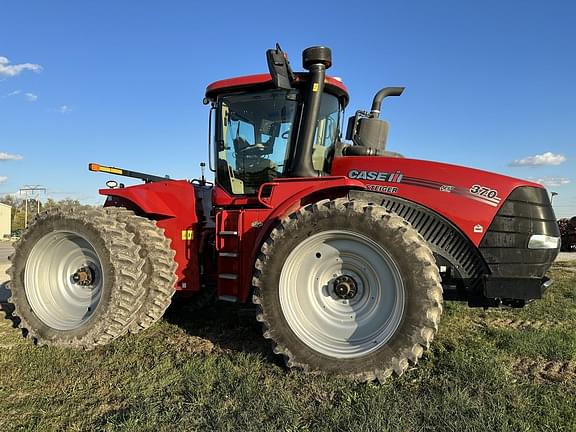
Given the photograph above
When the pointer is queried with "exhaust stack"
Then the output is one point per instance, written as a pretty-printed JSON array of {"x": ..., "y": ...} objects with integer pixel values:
[{"x": 316, "y": 60}]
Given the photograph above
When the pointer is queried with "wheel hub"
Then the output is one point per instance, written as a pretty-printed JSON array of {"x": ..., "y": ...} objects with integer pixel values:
[
  {"x": 341, "y": 294},
  {"x": 345, "y": 287},
  {"x": 64, "y": 280},
  {"x": 84, "y": 276}
]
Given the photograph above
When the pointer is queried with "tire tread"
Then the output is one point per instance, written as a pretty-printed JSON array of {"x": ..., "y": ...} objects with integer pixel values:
[{"x": 410, "y": 239}]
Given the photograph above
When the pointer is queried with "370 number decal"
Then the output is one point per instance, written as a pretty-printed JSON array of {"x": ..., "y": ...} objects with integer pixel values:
[{"x": 484, "y": 191}]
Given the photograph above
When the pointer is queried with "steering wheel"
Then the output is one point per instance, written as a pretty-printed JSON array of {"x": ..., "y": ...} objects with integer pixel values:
[{"x": 252, "y": 148}]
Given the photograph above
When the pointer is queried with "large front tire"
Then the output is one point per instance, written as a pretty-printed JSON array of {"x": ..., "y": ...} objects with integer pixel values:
[
  {"x": 348, "y": 288},
  {"x": 76, "y": 278}
]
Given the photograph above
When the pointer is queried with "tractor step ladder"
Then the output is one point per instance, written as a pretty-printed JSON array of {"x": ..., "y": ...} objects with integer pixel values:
[{"x": 228, "y": 239}]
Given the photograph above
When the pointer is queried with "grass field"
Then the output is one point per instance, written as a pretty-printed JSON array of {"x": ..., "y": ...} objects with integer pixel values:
[{"x": 496, "y": 370}]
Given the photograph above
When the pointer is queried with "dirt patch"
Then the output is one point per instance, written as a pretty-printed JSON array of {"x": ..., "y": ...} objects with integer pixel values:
[
  {"x": 516, "y": 324},
  {"x": 191, "y": 344},
  {"x": 179, "y": 340},
  {"x": 542, "y": 370},
  {"x": 230, "y": 328}
]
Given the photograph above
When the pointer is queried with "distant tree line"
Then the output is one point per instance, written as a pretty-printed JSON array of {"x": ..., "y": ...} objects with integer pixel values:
[{"x": 19, "y": 208}]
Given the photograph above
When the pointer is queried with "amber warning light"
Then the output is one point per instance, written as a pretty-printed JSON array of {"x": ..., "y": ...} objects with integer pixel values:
[
  {"x": 101, "y": 168},
  {"x": 147, "y": 178}
]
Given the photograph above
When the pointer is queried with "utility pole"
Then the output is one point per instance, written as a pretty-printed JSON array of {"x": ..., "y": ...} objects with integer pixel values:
[{"x": 36, "y": 190}]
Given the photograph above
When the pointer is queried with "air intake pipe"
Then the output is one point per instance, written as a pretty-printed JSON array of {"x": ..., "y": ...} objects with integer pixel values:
[{"x": 316, "y": 60}]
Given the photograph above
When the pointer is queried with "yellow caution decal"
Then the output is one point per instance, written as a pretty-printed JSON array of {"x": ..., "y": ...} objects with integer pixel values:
[
  {"x": 315, "y": 87},
  {"x": 187, "y": 234}
]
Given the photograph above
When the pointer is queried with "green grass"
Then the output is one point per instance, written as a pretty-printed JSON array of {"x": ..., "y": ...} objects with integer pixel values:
[{"x": 214, "y": 371}]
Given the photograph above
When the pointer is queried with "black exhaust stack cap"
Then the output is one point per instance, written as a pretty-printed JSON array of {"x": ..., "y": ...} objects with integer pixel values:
[{"x": 316, "y": 55}]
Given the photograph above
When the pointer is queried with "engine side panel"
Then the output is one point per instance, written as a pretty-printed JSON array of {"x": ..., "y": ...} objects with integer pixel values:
[
  {"x": 173, "y": 205},
  {"x": 468, "y": 198}
]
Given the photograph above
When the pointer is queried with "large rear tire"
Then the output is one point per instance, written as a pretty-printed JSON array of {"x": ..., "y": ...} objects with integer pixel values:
[
  {"x": 76, "y": 278},
  {"x": 347, "y": 288},
  {"x": 159, "y": 267}
]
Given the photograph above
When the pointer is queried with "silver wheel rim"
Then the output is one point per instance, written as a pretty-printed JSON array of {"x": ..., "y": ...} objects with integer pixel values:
[
  {"x": 323, "y": 320},
  {"x": 63, "y": 280}
]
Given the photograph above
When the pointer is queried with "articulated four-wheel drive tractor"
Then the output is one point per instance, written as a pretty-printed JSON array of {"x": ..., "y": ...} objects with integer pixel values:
[{"x": 346, "y": 249}]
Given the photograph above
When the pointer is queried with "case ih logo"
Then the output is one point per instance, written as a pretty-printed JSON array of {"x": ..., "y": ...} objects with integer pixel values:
[{"x": 395, "y": 177}]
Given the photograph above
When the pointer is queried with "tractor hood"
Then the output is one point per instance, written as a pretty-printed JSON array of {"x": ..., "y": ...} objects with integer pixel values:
[{"x": 469, "y": 198}]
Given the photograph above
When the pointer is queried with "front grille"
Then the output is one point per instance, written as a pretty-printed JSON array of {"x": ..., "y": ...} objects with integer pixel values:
[{"x": 527, "y": 211}]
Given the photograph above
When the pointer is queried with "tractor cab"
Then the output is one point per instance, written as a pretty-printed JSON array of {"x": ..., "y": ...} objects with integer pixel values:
[{"x": 260, "y": 127}]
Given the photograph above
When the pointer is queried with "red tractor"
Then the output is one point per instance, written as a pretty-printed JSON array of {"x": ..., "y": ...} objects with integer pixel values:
[{"x": 347, "y": 250}]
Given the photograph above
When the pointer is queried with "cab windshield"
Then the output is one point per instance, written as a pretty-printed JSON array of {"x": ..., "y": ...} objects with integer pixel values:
[{"x": 254, "y": 137}]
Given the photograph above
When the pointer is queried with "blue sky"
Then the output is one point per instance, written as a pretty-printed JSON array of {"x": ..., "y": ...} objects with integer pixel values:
[{"x": 121, "y": 83}]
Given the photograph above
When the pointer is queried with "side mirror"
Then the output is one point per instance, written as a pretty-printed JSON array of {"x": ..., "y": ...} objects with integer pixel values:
[{"x": 279, "y": 67}]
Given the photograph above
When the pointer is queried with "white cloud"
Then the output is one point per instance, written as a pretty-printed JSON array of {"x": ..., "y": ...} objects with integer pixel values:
[
  {"x": 11, "y": 70},
  {"x": 551, "y": 181},
  {"x": 3, "y": 179},
  {"x": 31, "y": 97},
  {"x": 64, "y": 109},
  {"x": 547, "y": 158},
  {"x": 9, "y": 156}
]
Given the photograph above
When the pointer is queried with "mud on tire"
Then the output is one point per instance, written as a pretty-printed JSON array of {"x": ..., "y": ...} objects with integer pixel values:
[
  {"x": 382, "y": 259},
  {"x": 76, "y": 278},
  {"x": 159, "y": 266}
]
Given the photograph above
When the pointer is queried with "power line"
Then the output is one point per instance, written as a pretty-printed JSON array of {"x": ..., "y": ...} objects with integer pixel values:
[{"x": 36, "y": 189}]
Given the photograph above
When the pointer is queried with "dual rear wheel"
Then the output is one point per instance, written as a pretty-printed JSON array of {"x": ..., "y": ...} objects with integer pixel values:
[{"x": 82, "y": 277}]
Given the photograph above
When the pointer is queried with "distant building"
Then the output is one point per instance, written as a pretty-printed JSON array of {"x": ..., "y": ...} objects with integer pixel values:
[{"x": 5, "y": 220}]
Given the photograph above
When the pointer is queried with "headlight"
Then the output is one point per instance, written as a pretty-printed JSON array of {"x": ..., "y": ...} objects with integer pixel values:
[{"x": 541, "y": 241}]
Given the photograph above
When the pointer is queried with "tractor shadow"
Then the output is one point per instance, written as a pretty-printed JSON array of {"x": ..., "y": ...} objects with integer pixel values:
[{"x": 230, "y": 327}]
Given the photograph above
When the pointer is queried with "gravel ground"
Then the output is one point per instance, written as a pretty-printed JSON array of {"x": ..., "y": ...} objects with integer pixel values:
[
  {"x": 5, "y": 251},
  {"x": 4, "y": 293},
  {"x": 566, "y": 256}
]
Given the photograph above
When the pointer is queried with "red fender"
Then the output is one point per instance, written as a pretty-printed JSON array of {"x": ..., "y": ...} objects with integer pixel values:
[{"x": 173, "y": 205}]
